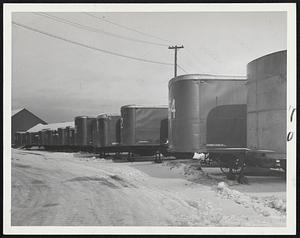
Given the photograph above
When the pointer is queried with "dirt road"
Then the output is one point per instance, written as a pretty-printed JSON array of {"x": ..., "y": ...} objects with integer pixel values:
[{"x": 65, "y": 189}]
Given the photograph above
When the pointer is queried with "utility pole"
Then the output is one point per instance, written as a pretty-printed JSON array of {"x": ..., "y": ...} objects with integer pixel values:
[{"x": 175, "y": 63}]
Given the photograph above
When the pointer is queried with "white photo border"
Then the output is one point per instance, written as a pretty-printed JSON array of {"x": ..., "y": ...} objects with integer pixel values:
[{"x": 290, "y": 8}]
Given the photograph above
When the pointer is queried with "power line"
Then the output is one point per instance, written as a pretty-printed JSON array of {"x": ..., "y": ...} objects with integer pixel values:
[
  {"x": 114, "y": 23},
  {"x": 89, "y": 47},
  {"x": 191, "y": 54},
  {"x": 96, "y": 30},
  {"x": 127, "y": 28},
  {"x": 182, "y": 68},
  {"x": 208, "y": 52},
  {"x": 134, "y": 30},
  {"x": 146, "y": 34},
  {"x": 194, "y": 63}
]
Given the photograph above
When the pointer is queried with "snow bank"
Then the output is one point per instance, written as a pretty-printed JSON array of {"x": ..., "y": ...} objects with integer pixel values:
[
  {"x": 191, "y": 170},
  {"x": 268, "y": 206},
  {"x": 276, "y": 203}
]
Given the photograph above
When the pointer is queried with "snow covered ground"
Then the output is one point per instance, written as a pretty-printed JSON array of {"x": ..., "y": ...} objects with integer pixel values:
[{"x": 66, "y": 189}]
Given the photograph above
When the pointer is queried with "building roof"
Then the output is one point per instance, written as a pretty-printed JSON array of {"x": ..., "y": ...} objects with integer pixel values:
[
  {"x": 52, "y": 126},
  {"x": 15, "y": 111}
]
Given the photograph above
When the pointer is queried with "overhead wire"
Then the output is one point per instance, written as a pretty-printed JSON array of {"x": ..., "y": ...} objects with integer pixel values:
[
  {"x": 207, "y": 52},
  {"x": 88, "y": 28},
  {"x": 95, "y": 30},
  {"x": 134, "y": 30},
  {"x": 182, "y": 68},
  {"x": 127, "y": 28},
  {"x": 195, "y": 60},
  {"x": 88, "y": 46},
  {"x": 190, "y": 53},
  {"x": 193, "y": 63}
]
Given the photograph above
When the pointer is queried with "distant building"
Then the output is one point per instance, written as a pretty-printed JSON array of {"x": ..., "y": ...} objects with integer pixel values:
[{"x": 22, "y": 120}]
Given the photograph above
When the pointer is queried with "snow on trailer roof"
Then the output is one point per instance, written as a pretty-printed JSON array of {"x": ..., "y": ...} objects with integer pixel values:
[
  {"x": 21, "y": 132},
  {"x": 212, "y": 77},
  {"x": 144, "y": 106},
  {"x": 85, "y": 117},
  {"x": 103, "y": 115},
  {"x": 53, "y": 126}
]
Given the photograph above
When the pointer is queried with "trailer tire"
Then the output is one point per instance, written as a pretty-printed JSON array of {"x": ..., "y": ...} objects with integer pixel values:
[{"x": 230, "y": 164}]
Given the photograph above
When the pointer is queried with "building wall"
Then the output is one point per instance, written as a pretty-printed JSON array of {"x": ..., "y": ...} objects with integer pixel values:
[{"x": 22, "y": 121}]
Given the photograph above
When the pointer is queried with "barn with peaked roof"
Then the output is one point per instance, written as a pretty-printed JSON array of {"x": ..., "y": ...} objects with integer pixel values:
[{"x": 22, "y": 120}]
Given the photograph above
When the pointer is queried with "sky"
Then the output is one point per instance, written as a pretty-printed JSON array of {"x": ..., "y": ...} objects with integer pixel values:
[{"x": 58, "y": 80}]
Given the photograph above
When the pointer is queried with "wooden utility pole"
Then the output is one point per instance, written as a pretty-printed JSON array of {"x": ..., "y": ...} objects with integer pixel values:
[{"x": 175, "y": 63}]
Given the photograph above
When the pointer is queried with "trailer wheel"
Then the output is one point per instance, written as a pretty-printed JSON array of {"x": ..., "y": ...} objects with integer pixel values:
[
  {"x": 130, "y": 157},
  {"x": 164, "y": 152},
  {"x": 230, "y": 165}
]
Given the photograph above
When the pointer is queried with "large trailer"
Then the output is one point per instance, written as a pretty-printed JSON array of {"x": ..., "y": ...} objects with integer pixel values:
[
  {"x": 267, "y": 110},
  {"x": 84, "y": 132},
  {"x": 232, "y": 120},
  {"x": 107, "y": 134},
  {"x": 200, "y": 105},
  {"x": 20, "y": 139},
  {"x": 62, "y": 136},
  {"x": 140, "y": 129}
]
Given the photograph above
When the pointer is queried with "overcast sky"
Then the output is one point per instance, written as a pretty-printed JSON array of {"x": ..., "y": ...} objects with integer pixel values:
[{"x": 57, "y": 80}]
